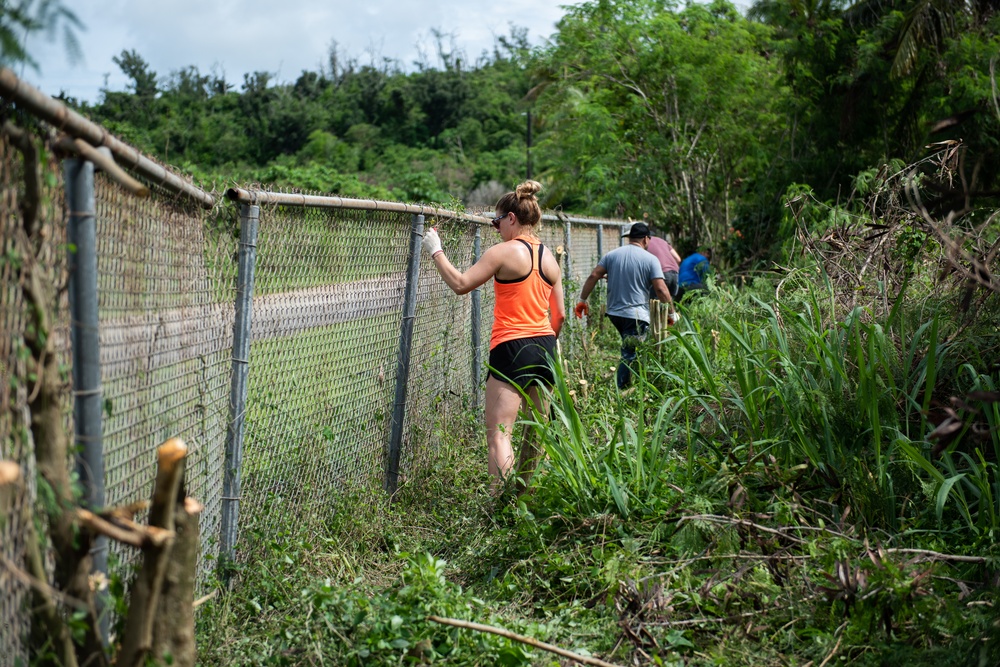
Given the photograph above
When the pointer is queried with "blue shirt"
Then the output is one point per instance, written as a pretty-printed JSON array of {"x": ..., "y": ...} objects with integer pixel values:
[
  {"x": 631, "y": 271},
  {"x": 693, "y": 270}
]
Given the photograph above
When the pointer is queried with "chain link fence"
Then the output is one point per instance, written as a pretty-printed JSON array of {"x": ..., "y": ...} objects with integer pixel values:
[
  {"x": 329, "y": 321},
  {"x": 166, "y": 284}
]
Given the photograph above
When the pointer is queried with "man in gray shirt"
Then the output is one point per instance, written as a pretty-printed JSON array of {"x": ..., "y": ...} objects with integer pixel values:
[{"x": 631, "y": 272}]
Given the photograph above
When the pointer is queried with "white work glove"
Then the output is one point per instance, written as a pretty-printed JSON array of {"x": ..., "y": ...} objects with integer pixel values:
[
  {"x": 431, "y": 242},
  {"x": 673, "y": 317}
]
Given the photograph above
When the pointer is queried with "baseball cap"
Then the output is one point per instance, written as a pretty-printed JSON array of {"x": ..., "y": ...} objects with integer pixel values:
[{"x": 637, "y": 230}]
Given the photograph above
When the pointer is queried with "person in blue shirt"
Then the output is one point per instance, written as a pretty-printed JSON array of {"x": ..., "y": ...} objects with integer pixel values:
[{"x": 693, "y": 269}]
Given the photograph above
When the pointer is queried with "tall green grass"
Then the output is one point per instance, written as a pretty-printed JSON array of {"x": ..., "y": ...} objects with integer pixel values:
[
  {"x": 845, "y": 401},
  {"x": 602, "y": 465}
]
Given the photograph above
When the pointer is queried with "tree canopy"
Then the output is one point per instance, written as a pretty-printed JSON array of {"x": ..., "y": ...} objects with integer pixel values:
[{"x": 694, "y": 116}]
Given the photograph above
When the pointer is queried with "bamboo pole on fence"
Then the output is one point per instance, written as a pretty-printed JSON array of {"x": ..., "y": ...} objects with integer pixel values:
[
  {"x": 63, "y": 118},
  {"x": 244, "y": 196},
  {"x": 105, "y": 161}
]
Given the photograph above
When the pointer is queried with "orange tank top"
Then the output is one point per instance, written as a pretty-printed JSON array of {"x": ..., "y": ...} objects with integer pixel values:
[{"x": 522, "y": 305}]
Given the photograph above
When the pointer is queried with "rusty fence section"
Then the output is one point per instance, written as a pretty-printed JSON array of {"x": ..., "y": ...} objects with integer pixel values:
[
  {"x": 165, "y": 311},
  {"x": 324, "y": 336}
]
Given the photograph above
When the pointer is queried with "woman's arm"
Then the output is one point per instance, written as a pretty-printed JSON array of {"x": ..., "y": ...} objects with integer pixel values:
[
  {"x": 477, "y": 275},
  {"x": 557, "y": 306}
]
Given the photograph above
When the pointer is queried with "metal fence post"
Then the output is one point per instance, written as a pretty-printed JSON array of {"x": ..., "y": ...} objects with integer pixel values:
[
  {"x": 249, "y": 225},
  {"x": 621, "y": 234},
  {"x": 567, "y": 241},
  {"x": 87, "y": 393},
  {"x": 403, "y": 363},
  {"x": 568, "y": 275},
  {"x": 477, "y": 303},
  {"x": 600, "y": 240}
]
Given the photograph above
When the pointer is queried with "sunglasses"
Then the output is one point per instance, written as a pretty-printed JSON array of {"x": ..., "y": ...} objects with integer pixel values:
[{"x": 496, "y": 221}]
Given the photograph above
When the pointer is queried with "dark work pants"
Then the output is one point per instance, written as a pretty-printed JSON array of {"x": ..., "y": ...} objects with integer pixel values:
[{"x": 632, "y": 332}]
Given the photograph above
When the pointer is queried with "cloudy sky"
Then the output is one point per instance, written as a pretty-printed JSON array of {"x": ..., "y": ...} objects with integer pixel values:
[{"x": 284, "y": 38}]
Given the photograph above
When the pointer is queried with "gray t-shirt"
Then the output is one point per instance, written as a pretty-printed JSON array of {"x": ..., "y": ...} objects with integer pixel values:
[{"x": 631, "y": 271}]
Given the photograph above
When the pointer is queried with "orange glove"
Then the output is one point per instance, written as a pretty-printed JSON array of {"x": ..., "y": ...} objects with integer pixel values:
[{"x": 582, "y": 308}]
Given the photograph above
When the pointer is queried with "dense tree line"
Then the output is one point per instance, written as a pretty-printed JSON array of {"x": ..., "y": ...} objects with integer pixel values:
[
  {"x": 703, "y": 118},
  {"x": 696, "y": 117},
  {"x": 367, "y": 129}
]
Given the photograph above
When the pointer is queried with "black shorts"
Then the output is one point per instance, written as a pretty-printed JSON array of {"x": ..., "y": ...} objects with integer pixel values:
[{"x": 524, "y": 361}]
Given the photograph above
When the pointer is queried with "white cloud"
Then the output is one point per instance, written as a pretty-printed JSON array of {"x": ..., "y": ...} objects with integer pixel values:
[{"x": 242, "y": 36}]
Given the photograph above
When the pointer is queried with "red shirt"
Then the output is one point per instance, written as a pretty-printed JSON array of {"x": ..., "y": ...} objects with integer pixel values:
[{"x": 662, "y": 250}]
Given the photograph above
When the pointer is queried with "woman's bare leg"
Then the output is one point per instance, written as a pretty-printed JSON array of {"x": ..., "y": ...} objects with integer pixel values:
[
  {"x": 527, "y": 459},
  {"x": 502, "y": 404}
]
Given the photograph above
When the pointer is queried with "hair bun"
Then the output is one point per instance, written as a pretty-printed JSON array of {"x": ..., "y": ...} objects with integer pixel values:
[{"x": 528, "y": 189}]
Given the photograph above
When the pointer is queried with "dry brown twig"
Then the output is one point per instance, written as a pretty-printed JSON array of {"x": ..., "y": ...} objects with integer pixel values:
[
  {"x": 936, "y": 555},
  {"x": 714, "y": 518},
  {"x": 959, "y": 259},
  {"x": 529, "y": 641}
]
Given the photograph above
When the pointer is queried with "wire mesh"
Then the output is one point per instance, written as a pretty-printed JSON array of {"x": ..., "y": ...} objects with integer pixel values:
[
  {"x": 552, "y": 233},
  {"x": 12, "y": 393},
  {"x": 325, "y": 329},
  {"x": 612, "y": 237},
  {"x": 441, "y": 366},
  {"x": 165, "y": 297},
  {"x": 583, "y": 250}
]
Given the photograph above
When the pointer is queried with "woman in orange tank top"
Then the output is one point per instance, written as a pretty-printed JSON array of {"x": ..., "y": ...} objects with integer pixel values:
[{"x": 527, "y": 317}]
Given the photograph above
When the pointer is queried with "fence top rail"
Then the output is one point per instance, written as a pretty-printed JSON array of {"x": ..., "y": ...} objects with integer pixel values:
[
  {"x": 65, "y": 119},
  {"x": 582, "y": 220},
  {"x": 244, "y": 196}
]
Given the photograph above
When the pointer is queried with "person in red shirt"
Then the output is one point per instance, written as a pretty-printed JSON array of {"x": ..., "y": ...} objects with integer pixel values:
[
  {"x": 669, "y": 261},
  {"x": 527, "y": 317}
]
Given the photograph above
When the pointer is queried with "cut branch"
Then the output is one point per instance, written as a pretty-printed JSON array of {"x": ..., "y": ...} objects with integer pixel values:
[
  {"x": 530, "y": 641},
  {"x": 45, "y": 612},
  {"x": 935, "y": 555},
  {"x": 130, "y": 533},
  {"x": 174, "y": 632},
  {"x": 742, "y": 522}
]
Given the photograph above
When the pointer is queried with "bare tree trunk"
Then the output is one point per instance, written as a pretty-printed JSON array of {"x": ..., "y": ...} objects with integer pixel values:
[
  {"x": 137, "y": 642},
  {"x": 45, "y": 402},
  {"x": 174, "y": 632}
]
